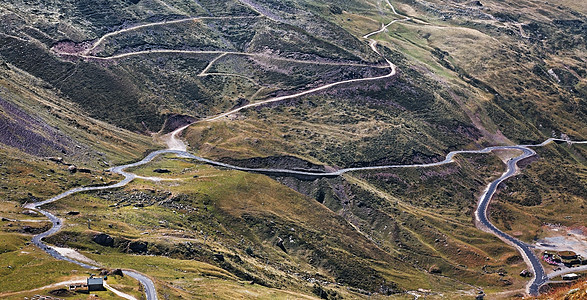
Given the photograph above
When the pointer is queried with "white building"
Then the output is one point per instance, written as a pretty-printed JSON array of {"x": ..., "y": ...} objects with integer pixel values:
[{"x": 570, "y": 276}]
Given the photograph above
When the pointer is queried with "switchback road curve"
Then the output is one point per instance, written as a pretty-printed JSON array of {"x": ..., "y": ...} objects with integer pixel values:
[
  {"x": 480, "y": 213},
  {"x": 178, "y": 147}
]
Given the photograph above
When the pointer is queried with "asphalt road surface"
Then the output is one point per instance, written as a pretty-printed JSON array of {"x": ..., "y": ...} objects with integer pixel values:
[{"x": 524, "y": 249}]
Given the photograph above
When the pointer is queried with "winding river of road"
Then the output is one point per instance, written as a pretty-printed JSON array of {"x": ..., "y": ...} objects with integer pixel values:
[{"x": 178, "y": 147}]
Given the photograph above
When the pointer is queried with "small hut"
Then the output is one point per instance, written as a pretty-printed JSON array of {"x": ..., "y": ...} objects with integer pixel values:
[{"x": 95, "y": 283}]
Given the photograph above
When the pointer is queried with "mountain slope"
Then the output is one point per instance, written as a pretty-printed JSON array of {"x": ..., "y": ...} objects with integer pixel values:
[{"x": 94, "y": 83}]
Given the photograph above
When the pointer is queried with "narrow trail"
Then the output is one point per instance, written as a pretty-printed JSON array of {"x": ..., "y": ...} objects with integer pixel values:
[
  {"x": 119, "y": 293},
  {"x": 220, "y": 52},
  {"x": 324, "y": 87},
  {"x": 132, "y": 28},
  {"x": 207, "y": 68},
  {"x": 178, "y": 147},
  {"x": 384, "y": 26}
]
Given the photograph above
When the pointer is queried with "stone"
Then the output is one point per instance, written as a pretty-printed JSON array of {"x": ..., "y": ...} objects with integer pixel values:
[
  {"x": 138, "y": 247},
  {"x": 103, "y": 240},
  {"x": 280, "y": 244},
  {"x": 117, "y": 272}
]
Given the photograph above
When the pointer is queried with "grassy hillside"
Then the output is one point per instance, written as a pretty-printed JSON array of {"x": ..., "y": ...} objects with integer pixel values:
[
  {"x": 265, "y": 232},
  {"x": 87, "y": 83}
]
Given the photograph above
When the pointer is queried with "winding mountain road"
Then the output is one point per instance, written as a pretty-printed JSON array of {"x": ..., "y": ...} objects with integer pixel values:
[
  {"x": 484, "y": 224},
  {"x": 178, "y": 147},
  {"x": 146, "y": 282},
  {"x": 480, "y": 213},
  {"x": 175, "y": 145}
]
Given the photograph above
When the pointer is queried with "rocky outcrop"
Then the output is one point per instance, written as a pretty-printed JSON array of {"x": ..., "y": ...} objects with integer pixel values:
[
  {"x": 117, "y": 272},
  {"x": 279, "y": 244},
  {"x": 105, "y": 272},
  {"x": 137, "y": 247},
  {"x": 87, "y": 171},
  {"x": 103, "y": 240}
]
